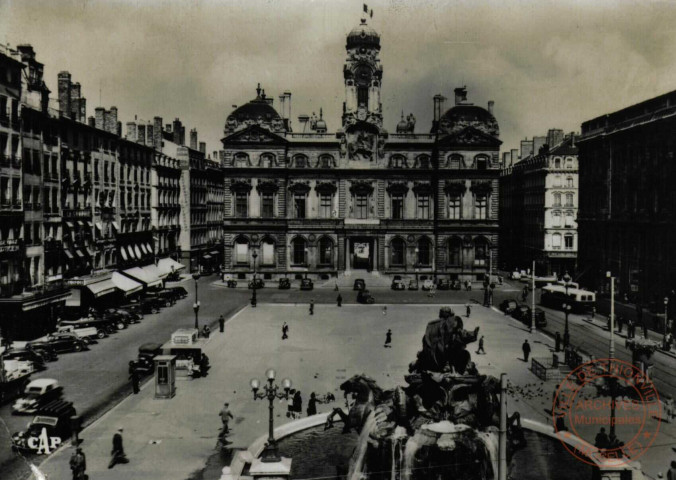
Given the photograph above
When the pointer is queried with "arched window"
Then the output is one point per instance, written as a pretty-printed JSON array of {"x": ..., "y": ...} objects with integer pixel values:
[
  {"x": 455, "y": 251},
  {"x": 481, "y": 162},
  {"x": 455, "y": 161},
  {"x": 556, "y": 219},
  {"x": 241, "y": 251},
  {"x": 268, "y": 160},
  {"x": 241, "y": 160},
  {"x": 556, "y": 241},
  {"x": 397, "y": 161},
  {"x": 557, "y": 162},
  {"x": 569, "y": 199},
  {"x": 569, "y": 182},
  {"x": 397, "y": 249},
  {"x": 326, "y": 251},
  {"x": 300, "y": 161},
  {"x": 569, "y": 163},
  {"x": 326, "y": 161},
  {"x": 267, "y": 252},
  {"x": 424, "y": 251},
  {"x": 557, "y": 180},
  {"x": 480, "y": 251},
  {"x": 423, "y": 162},
  {"x": 568, "y": 242},
  {"x": 557, "y": 199},
  {"x": 298, "y": 251},
  {"x": 569, "y": 219}
]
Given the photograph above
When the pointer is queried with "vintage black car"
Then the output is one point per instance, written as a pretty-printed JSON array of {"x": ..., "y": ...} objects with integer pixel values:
[
  {"x": 364, "y": 296},
  {"x": 359, "y": 284},
  {"x": 456, "y": 285},
  {"x": 508, "y": 305},
  {"x": 398, "y": 283},
  {"x": 306, "y": 284},
  {"x": 443, "y": 284},
  {"x": 413, "y": 284},
  {"x": 60, "y": 342},
  {"x": 284, "y": 283},
  {"x": 256, "y": 283},
  {"x": 119, "y": 313},
  {"x": 103, "y": 327},
  {"x": 46, "y": 351},
  {"x": 133, "y": 308},
  {"x": 53, "y": 421},
  {"x": 523, "y": 314},
  {"x": 179, "y": 292},
  {"x": 33, "y": 356},
  {"x": 37, "y": 394},
  {"x": 145, "y": 363},
  {"x": 152, "y": 304}
]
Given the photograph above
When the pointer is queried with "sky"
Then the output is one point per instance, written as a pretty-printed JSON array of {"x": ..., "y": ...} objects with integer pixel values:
[{"x": 545, "y": 64}]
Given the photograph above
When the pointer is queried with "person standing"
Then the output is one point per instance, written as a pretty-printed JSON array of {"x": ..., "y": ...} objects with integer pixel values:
[
  {"x": 339, "y": 300},
  {"x": 630, "y": 328},
  {"x": 668, "y": 408},
  {"x": 312, "y": 405},
  {"x": 557, "y": 342},
  {"x": 221, "y": 323},
  {"x": 620, "y": 322},
  {"x": 297, "y": 405},
  {"x": 468, "y": 310},
  {"x": 117, "y": 453},
  {"x": 645, "y": 330},
  {"x": 226, "y": 415},
  {"x": 602, "y": 441},
  {"x": 285, "y": 331},
  {"x": 593, "y": 312},
  {"x": 78, "y": 464},
  {"x": 671, "y": 474},
  {"x": 312, "y": 307},
  {"x": 481, "y": 346},
  {"x": 526, "y": 350},
  {"x": 388, "y": 339},
  {"x": 135, "y": 381}
]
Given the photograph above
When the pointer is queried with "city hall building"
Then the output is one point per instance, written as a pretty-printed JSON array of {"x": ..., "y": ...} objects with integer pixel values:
[{"x": 323, "y": 203}]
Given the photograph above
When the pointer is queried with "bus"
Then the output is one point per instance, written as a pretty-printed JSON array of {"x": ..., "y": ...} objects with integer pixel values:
[{"x": 554, "y": 296}]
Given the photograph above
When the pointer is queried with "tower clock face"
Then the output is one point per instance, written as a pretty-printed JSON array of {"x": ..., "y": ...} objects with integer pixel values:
[{"x": 363, "y": 76}]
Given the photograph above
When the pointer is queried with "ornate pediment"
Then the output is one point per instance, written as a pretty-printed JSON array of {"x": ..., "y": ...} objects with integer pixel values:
[
  {"x": 361, "y": 187},
  {"x": 253, "y": 134},
  {"x": 399, "y": 188},
  {"x": 455, "y": 187},
  {"x": 422, "y": 188},
  {"x": 481, "y": 186},
  {"x": 267, "y": 186},
  {"x": 470, "y": 136},
  {"x": 326, "y": 187},
  {"x": 241, "y": 185},
  {"x": 299, "y": 186}
]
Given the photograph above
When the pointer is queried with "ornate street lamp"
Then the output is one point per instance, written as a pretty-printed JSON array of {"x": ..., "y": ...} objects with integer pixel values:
[
  {"x": 566, "y": 334},
  {"x": 254, "y": 301},
  {"x": 271, "y": 392},
  {"x": 196, "y": 305},
  {"x": 566, "y": 282}
]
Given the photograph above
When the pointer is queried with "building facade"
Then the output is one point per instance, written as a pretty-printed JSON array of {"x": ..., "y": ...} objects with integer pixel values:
[
  {"x": 361, "y": 198},
  {"x": 628, "y": 205},
  {"x": 538, "y": 208}
]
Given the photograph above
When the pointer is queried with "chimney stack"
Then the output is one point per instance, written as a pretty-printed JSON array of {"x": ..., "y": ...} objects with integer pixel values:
[
  {"x": 75, "y": 92},
  {"x": 157, "y": 133},
  {"x": 99, "y": 113},
  {"x": 91, "y": 121},
  {"x": 491, "y": 104},
  {"x": 132, "y": 134},
  {"x": 141, "y": 133},
  {"x": 177, "y": 132},
  {"x": 150, "y": 137},
  {"x": 203, "y": 147},
  {"x": 118, "y": 129},
  {"x": 460, "y": 95},
  {"x": 193, "y": 138},
  {"x": 64, "y": 93},
  {"x": 572, "y": 139}
]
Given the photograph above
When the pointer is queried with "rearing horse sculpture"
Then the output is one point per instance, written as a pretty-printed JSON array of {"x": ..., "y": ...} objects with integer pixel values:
[{"x": 367, "y": 395}]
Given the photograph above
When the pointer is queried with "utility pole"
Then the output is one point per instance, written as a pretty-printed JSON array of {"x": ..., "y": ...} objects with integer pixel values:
[{"x": 532, "y": 309}]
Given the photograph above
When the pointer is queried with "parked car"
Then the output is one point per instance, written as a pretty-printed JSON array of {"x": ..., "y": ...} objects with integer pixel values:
[
  {"x": 306, "y": 284},
  {"x": 46, "y": 351},
  {"x": 145, "y": 362},
  {"x": 151, "y": 305},
  {"x": 133, "y": 308},
  {"x": 443, "y": 284},
  {"x": 413, "y": 284},
  {"x": 53, "y": 420},
  {"x": 508, "y": 305},
  {"x": 359, "y": 284},
  {"x": 179, "y": 292},
  {"x": 398, "y": 283},
  {"x": 523, "y": 314},
  {"x": 21, "y": 354},
  {"x": 84, "y": 332},
  {"x": 256, "y": 283},
  {"x": 428, "y": 284},
  {"x": 61, "y": 342},
  {"x": 126, "y": 316},
  {"x": 170, "y": 297},
  {"x": 284, "y": 283},
  {"x": 37, "y": 394},
  {"x": 456, "y": 284},
  {"x": 515, "y": 275},
  {"x": 102, "y": 327},
  {"x": 231, "y": 283},
  {"x": 364, "y": 296}
]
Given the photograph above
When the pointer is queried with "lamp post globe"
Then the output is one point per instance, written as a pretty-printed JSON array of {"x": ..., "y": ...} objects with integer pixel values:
[{"x": 270, "y": 392}]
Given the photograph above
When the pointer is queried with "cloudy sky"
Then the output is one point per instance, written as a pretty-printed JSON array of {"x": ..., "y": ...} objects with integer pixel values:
[{"x": 546, "y": 64}]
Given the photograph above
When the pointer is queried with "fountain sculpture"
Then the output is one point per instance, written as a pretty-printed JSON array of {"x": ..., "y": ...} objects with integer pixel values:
[{"x": 443, "y": 425}]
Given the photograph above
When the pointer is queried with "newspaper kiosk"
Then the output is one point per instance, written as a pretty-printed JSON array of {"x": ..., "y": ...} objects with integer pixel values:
[
  {"x": 187, "y": 348},
  {"x": 165, "y": 376}
]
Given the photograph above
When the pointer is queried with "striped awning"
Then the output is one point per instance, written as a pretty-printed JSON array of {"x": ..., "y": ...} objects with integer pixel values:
[
  {"x": 169, "y": 264},
  {"x": 144, "y": 276},
  {"x": 126, "y": 284},
  {"x": 123, "y": 252},
  {"x": 100, "y": 289}
]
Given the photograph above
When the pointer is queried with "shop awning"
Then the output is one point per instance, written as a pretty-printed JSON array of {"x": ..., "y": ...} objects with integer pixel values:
[
  {"x": 130, "y": 249},
  {"x": 126, "y": 284},
  {"x": 166, "y": 264},
  {"x": 138, "y": 251},
  {"x": 155, "y": 271},
  {"x": 68, "y": 253},
  {"x": 143, "y": 249},
  {"x": 71, "y": 225},
  {"x": 100, "y": 289},
  {"x": 123, "y": 252},
  {"x": 206, "y": 257},
  {"x": 74, "y": 299},
  {"x": 91, "y": 225},
  {"x": 150, "y": 249},
  {"x": 79, "y": 252},
  {"x": 214, "y": 252},
  {"x": 144, "y": 276},
  {"x": 81, "y": 223}
]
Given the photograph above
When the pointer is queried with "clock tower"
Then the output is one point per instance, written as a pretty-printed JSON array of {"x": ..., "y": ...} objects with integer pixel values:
[{"x": 363, "y": 77}]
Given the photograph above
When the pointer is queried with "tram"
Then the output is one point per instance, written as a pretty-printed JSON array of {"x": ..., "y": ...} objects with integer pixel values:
[{"x": 554, "y": 296}]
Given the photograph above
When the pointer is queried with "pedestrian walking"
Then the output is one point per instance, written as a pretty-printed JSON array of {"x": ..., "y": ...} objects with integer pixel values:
[
  {"x": 312, "y": 405},
  {"x": 468, "y": 310},
  {"x": 557, "y": 342},
  {"x": 78, "y": 464},
  {"x": 135, "y": 381},
  {"x": 206, "y": 331},
  {"x": 620, "y": 322},
  {"x": 593, "y": 312},
  {"x": 225, "y": 415},
  {"x": 481, "y": 346},
  {"x": 297, "y": 405},
  {"x": 204, "y": 365},
  {"x": 668, "y": 408},
  {"x": 388, "y": 339},
  {"x": 630, "y": 328},
  {"x": 312, "y": 307},
  {"x": 339, "y": 300},
  {"x": 645, "y": 334},
  {"x": 221, "y": 323},
  {"x": 290, "y": 413},
  {"x": 526, "y": 350},
  {"x": 601, "y": 441},
  {"x": 384, "y": 309},
  {"x": 285, "y": 331},
  {"x": 117, "y": 454}
]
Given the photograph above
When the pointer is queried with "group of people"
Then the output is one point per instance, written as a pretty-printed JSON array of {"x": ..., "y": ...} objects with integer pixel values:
[{"x": 604, "y": 441}]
